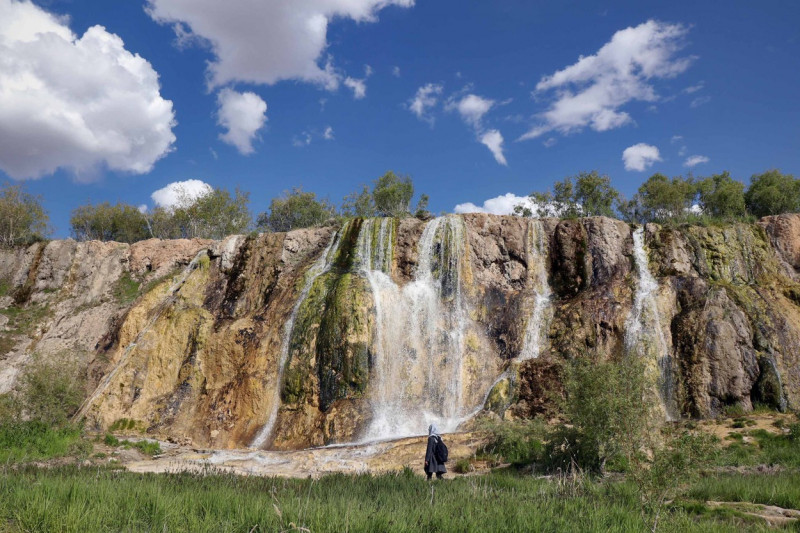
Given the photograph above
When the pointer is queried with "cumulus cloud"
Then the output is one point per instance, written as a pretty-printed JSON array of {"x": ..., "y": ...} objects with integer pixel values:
[
  {"x": 500, "y": 205},
  {"x": 75, "y": 102},
  {"x": 695, "y": 160},
  {"x": 181, "y": 193},
  {"x": 493, "y": 140},
  {"x": 426, "y": 98},
  {"x": 328, "y": 134},
  {"x": 266, "y": 41},
  {"x": 640, "y": 156},
  {"x": 359, "y": 87},
  {"x": 472, "y": 108},
  {"x": 591, "y": 92},
  {"x": 242, "y": 115}
]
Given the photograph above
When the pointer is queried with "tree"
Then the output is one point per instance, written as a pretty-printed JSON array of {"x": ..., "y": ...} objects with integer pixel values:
[
  {"x": 214, "y": 215},
  {"x": 660, "y": 199},
  {"x": 392, "y": 195},
  {"x": 722, "y": 197},
  {"x": 772, "y": 193},
  {"x": 587, "y": 194},
  {"x": 359, "y": 204},
  {"x": 106, "y": 222},
  {"x": 295, "y": 209},
  {"x": 22, "y": 217}
]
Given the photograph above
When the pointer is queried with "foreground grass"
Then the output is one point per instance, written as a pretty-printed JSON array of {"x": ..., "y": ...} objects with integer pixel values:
[{"x": 100, "y": 499}]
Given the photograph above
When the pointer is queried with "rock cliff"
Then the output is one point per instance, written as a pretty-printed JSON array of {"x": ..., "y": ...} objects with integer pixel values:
[{"x": 373, "y": 329}]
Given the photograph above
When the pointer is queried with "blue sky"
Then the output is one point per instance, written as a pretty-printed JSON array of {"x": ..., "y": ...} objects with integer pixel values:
[{"x": 659, "y": 82}]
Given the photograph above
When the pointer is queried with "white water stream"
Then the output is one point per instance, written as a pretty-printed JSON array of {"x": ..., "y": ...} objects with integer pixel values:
[
  {"x": 419, "y": 343},
  {"x": 321, "y": 266},
  {"x": 539, "y": 319},
  {"x": 644, "y": 334}
]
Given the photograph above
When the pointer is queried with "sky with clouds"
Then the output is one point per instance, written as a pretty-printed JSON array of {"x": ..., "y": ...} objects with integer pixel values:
[{"x": 480, "y": 102}]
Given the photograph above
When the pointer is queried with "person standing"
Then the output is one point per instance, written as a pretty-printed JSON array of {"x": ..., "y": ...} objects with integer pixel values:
[{"x": 432, "y": 462}]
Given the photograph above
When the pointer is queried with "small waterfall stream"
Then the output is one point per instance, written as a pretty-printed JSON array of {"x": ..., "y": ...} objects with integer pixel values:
[
  {"x": 169, "y": 299},
  {"x": 319, "y": 267},
  {"x": 539, "y": 319},
  {"x": 419, "y": 341},
  {"x": 644, "y": 334}
]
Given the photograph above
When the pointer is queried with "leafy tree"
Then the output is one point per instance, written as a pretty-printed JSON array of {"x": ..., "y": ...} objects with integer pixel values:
[
  {"x": 661, "y": 199},
  {"x": 22, "y": 217},
  {"x": 392, "y": 195},
  {"x": 421, "y": 211},
  {"x": 722, "y": 197},
  {"x": 587, "y": 194},
  {"x": 214, "y": 215},
  {"x": 295, "y": 209},
  {"x": 359, "y": 204},
  {"x": 106, "y": 222},
  {"x": 773, "y": 193}
]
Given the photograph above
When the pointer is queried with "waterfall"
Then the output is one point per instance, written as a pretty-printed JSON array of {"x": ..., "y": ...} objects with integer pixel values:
[
  {"x": 321, "y": 266},
  {"x": 644, "y": 335},
  {"x": 169, "y": 299},
  {"x": 419, "y": 340},
  {"x": 537, "y": 272}
]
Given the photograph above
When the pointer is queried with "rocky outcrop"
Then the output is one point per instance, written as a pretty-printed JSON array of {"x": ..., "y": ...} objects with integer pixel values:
[{"x": 187, "y": 337}]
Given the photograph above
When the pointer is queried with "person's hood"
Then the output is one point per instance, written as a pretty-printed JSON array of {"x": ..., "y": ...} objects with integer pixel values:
[{"x": 433, "y": 431}]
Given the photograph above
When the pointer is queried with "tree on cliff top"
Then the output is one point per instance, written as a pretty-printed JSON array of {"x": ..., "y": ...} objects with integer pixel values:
[
  {"x": 773, "y": 193},
  {"x": 106, "y": 222},
  {"x": 390, "y": 197},
  {"x": 587, "y": 194},
  {"x": 661, "y": 199},
  {"x": 295, "y": 209},
  {"x": 213, "y": 216},
  {"x": 22, "y": 217},
  {"x": 722, "y": 197}
]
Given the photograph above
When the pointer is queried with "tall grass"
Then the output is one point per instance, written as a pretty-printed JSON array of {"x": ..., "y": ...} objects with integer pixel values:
[
  {"x": 781, "y": 489},
  {"x": 91, "y": 499}
]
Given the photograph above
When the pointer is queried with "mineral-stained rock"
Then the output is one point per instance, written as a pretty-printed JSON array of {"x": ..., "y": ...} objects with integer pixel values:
[{"x": 192, "y": 349}]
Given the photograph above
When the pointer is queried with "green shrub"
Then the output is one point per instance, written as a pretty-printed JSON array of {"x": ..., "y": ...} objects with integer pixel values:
[
  {"x": 516, "y": 442},
  {"x": 34, "y": 439},
  {"x": 52, "y": 390},
  {"x": 111, "y": 440},
  {"x": 463, "y": 466}
]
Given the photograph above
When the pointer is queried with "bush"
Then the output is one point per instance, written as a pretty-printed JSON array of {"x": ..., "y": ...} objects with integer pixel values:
[
  {"x": 51, "y": 391},
  {"x": 516, "y": 442},
  {"x": 34, "y": 439}
]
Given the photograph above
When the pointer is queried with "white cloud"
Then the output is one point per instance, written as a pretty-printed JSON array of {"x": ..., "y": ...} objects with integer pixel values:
[
  {"x": 676, "y": 139},
  {"x": 550, "y": 142},
  {"x": 426, "y": 98},
  {"x": 683, "y": 151},
  {"x": 142, "y": 208},
  {"x": 304, "y": 139},
  {"x": 396, "y": 71},
  {"x": 328, "y": 134},
  {"x": 640, "y": 156},
  {"x": 500, "y": 205},
  {"x": 72, "y": 102},
  {"x": 242, "y": 115},
  {"x": 472, "y": 108},
  {"x": 359, "y": 87},
  {"x": 694, "y": 88},
  {"x": 696, "y": 160},
  {"x": 592, "y": 91},
  {"x": 266, "y": 41},
  {"x": 700, "y": 100},
  {"x": 181, "y": 193},
  {"x": 493, "y": 140}
]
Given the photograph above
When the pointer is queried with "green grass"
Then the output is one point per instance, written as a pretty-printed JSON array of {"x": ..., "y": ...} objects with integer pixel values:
[
  {"x": 28, "y": 441},
  {"x": 100, "y": 499},
  {"x": 22, "y": 319},
  {"x": 767, "y": 449},
  {"x": 145, "y": 446},
  {"x": 126, "y": 289},
  {"x": 781, "y": 489}
]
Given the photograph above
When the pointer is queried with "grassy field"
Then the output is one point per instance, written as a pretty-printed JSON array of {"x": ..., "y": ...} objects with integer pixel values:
[{"x": 70, "y": 498}]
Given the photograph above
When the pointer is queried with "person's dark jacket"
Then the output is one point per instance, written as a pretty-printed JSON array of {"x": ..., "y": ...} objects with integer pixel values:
[{"x": 433, "y": 466}]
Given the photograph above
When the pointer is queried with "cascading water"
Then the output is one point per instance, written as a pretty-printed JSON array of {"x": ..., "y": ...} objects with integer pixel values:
[
  {"x": 321, "y": 266},
  {"x": 169, "y": 299},
  {"x": 419, "y": 341},
  {"x": 644, "y": 335},
  {"x": 537, "y": 271}
]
